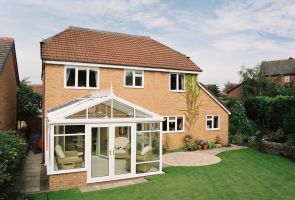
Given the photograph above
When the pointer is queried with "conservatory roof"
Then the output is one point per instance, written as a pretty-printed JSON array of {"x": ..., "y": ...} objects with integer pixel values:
[{"x": 101, "y": 106}]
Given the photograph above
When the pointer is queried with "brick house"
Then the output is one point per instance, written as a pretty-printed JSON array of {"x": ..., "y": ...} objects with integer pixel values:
[
  {"x": 234, "y": 90},
  {"x": 282, "y": 71},
  {"x": 9, "y": 82},
  {"x": 111, "y": 101}
]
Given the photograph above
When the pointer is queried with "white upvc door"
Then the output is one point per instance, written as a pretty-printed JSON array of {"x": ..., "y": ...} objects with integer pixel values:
[{"x": 100, "y": 138}]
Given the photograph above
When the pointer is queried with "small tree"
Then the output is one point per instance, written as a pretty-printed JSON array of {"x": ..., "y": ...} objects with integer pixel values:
[
  {"x": 193, "y": 102},
  {"x": 238, "y": 120},
  {"x": 254, "y": 83},
  {"x": 214, "y": 89},
  {"x": 29, "y": 102}
]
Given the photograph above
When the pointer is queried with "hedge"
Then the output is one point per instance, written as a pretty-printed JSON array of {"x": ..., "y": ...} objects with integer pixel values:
[{"x": 12, "y": 157}]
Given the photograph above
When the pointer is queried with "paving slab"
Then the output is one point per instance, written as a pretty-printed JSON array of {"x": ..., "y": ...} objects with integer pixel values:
[{"x": 111, "y": 184}]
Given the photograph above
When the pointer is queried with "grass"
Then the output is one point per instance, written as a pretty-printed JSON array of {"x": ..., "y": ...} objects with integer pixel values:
[{"x": 242, "y": 174}]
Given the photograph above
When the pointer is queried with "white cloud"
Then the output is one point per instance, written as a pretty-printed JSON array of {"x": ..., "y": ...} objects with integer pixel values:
[{"x": 274, "y": 17}]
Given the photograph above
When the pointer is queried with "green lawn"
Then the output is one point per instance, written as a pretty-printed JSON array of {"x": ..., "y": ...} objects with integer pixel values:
[{"x": 242, "y": 174}]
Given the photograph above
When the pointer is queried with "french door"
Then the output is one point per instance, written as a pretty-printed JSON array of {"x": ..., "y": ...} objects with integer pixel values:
[{"x": 110, "y": 152}]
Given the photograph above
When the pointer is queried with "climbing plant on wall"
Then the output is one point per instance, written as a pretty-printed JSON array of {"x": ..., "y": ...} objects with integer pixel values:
[{"x": 193, "y": 102}]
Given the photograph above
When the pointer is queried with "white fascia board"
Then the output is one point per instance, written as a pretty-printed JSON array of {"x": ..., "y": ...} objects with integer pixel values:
[
  {"x": 104, "y": 120},
  {"x": 119, "y": 67},
  {"x": 215, "y": 99}
]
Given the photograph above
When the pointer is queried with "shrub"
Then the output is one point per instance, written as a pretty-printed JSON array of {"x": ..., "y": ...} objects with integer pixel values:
[
  {"x": 274, "y": 115},
  {"x": 12, "y": 156},
  {"x": 238, "y": 139}
]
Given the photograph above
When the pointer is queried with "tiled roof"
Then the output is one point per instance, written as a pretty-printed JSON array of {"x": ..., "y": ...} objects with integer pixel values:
[
  {"x": 93, "y": 46},
  {"x": 279, "y": 67},
  {"x": 5, "y": 46},
  {"x": 231, "y": 87},
  {"x": 37, "y": 88}
]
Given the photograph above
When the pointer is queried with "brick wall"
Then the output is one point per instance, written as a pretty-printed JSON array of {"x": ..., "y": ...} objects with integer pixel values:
[
  {"x": 8, "y": 95},
  {"x": 69, "y": 180}
]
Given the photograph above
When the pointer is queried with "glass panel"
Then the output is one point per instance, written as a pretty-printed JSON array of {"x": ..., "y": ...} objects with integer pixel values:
[
  {"x": 138, "y": 81},
  {"x": 74, "y": 129},
  {"x": 173, "y": 81},
  {"x": 209, "y": 123},
  {"x": 121, "y": 110},
  {"x": 129, "y": 77},
  {"x": 140, "y": 114},
  {"x": 165, "y": 124},
  {"x": 59, "y": 129},
  {"x": 69, "y": 152},
  {"x": 147, "y": 167},
  {"x": 147, "y": 146},
  {"x": 92, "y": 78},
  {"x": 143, "y": 127},
  {"x": 180, "y": 81},
  {"x": 122, "y": 150},
  {"x": 179, "y": 123},
  {"x": 82, "y": 78},
  {"x": 78, "y": 115},
  {"x": 216, "y": 123},
  {"x": 70, "y": 77},
  {"x": 100, "y": 152},
  {"x": 102, "y": 110},
  {"x": 172, "y": 124}
]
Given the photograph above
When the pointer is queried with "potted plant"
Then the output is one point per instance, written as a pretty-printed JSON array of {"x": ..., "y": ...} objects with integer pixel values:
[
  {"x": 205, "y": 145},
  {"x": 188, "y": 138}
]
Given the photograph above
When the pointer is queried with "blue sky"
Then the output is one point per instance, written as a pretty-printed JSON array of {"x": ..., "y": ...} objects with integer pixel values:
[{"x": 219, "y": 35}]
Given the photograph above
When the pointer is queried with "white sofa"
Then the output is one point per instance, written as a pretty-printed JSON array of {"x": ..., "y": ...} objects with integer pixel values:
[{"x": 120, "y": 147}]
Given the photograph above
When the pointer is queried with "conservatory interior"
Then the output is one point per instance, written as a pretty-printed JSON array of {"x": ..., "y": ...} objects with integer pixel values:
[{"x": 104, "y": 135}]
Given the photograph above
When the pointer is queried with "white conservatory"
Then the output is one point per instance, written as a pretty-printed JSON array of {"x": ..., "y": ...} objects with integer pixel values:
[{"x": 105, "y": 136}]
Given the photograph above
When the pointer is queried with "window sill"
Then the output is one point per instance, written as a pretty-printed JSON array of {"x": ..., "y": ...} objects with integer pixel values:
[
  {"x": 65, "y": 171},
  {"x": 135, "y": 87},
  {"x": 82, "y": 88},
  {"x": 179, "y": 91},
  {"x": 180, "y": 131},
  {"x": 213, "y": 129}
]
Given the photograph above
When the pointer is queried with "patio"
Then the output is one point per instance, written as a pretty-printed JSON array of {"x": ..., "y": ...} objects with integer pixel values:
[{"x": 196, "y": 158}]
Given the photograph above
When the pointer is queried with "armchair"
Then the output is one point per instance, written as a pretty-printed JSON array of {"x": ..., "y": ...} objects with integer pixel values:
[{"x": 67, "y": 159}]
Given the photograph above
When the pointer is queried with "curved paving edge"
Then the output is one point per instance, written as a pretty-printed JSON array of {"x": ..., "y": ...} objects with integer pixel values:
[{"x": 196, "y": 158}]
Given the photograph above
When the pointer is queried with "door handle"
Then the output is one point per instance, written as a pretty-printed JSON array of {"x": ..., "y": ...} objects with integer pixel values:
[{"x": 110, "y": 152}]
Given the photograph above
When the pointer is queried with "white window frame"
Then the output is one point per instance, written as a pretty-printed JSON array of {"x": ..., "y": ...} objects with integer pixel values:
[
  {"x": 177, "y": 82},
  {"x": 212, "y": 129},
  {"x": 76, "y": 77},
  {"x": 176, "y": 125},
  {"x": 133, "y": 80},
  {"x": 287, "y": 79},
  {"x": 52, "y": 139}
]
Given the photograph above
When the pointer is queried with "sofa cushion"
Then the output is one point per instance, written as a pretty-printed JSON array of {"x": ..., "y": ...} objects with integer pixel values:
[
  {"x": 59, "y": 151},
  {"x": 145, "y": 150}
]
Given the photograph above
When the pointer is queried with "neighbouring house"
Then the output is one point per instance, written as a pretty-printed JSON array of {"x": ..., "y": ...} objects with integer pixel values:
[
  {"x": 282, "y": 71},
  {"x": 111, "y": 101},
  {"x": 234, "y": 91},
  {"x": 9, "y": 83}
]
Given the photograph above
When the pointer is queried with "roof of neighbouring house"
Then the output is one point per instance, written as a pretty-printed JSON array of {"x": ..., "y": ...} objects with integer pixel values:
[
  {"x": 231, "y": 87},
  {"x": 7, "y": 45},
  {"x": 77, "y": 44},
  {"x": 279, "y": 67},
  {"x": 37, "y": 88}
]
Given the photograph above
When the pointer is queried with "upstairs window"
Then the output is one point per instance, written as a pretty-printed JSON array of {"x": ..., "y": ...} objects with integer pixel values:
[
  {"x": 287, "y": 79},
  {"x": 81, "y": 77},
  {"x": 177, "y": 82},
  {"x": 134, "y": 78},
  {"x": 212, "y": 122}
]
